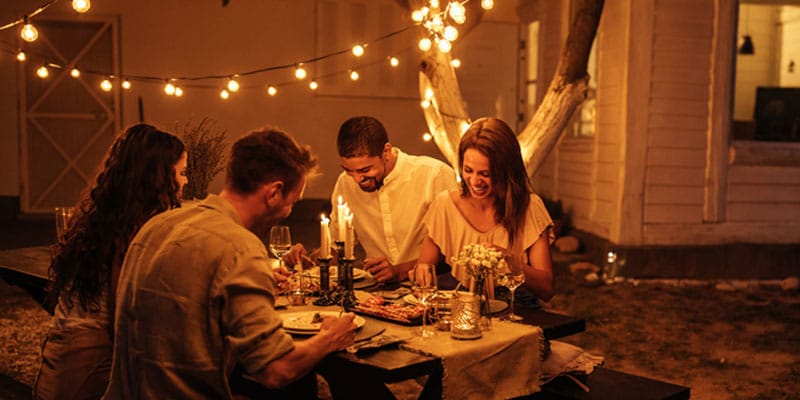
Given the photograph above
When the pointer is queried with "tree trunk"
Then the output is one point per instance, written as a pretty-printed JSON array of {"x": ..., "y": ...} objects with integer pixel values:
[{"x": 447, "y": 116}]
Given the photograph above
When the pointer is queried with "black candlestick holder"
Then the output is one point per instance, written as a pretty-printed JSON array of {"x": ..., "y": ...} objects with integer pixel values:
[
  {"x": 325, "y": 298},
  {"x": 344, "y": 293}
]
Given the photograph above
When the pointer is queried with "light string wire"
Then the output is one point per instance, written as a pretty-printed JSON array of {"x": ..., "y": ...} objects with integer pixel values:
[{"x": 28, "y": 15}]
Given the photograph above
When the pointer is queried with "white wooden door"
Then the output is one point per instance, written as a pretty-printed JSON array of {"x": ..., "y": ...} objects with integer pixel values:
[{"x": 67, "y": 123}]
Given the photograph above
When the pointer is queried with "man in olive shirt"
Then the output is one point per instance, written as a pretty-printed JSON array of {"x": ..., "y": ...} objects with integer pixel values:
[{"x": 196, "y": 294}]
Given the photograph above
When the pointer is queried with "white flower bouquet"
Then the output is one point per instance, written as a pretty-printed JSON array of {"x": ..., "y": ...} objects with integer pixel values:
[{"x": 480, "y": 261}]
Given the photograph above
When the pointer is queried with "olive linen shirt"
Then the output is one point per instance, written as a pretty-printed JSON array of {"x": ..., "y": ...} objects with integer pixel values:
[
  {"x": 388, "y": 221},
  {"x": 195, "y": 297}
]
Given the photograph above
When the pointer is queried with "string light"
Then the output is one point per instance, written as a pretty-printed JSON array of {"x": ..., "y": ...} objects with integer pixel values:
[
  {"x": 233, "y": 85},
  {"x": 427, "y": 137},
  {"x": 169, "y": 89},
  {"x": 81, "y": 6},
  {"x": 456, "y": 62},
  {"x": 487, "y": 4},
  {"x": 300, "y": 72},
  {"x": 21, "y": 57},
  {"x": 28, "y": 33},
  {"x": 105, "y": 85},
  {"x": 313, "y": 85},
  {"x": 271, "y": 90},
  {"x": 444, "y": 45},
  {"x": 425, "y": 44},
  {"x": 178, "y": 91},
  {"x": 126, "y": 84},
  {"x": 425, "y": 103},
  {"x": 75, "y": 73},
  {"x": 450, "y": 33},
  {"x": 42, "y": 72},
  {"x": 358, "y": 50},
  {"x": 224, "y": 94},
  {"x": 354, "y": 75},
  {"x": 393, "y": 61}
]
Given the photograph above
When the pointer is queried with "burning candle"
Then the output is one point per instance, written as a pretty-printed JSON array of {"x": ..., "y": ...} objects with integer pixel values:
[
  {"x": 341, "y": 210},
  {"x": 350, "y": 236},
  {"x": 324, "y": 237}
]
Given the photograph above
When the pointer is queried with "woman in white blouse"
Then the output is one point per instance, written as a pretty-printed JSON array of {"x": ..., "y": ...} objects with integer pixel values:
[{"x": 495, "y": 206}]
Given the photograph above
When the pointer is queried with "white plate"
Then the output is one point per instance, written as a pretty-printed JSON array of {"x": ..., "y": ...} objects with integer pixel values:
[
  {"x": 301, "y": 320},
  {"x": 357, "y": 273}
]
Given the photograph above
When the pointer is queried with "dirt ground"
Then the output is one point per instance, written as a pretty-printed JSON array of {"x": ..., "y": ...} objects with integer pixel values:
[{"x": 724, "y": 345}]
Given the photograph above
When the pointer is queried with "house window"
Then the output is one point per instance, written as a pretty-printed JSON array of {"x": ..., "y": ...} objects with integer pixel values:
[{"x": 766, "y": 104}]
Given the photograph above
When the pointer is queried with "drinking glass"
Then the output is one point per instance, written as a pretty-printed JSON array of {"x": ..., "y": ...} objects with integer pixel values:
[
  {"x": 280, "y": 241},
  {"x": 424, "y": 287},
  {"x": 63, "y": 215},
  {"x": 511, "y": 279}
]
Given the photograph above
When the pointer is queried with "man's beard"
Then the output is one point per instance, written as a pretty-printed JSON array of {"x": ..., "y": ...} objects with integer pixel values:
[{"x": 377, "y": 185}]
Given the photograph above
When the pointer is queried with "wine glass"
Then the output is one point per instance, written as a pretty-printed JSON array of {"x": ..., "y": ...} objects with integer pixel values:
[
  {"x": 512, "y": 279},
  {"x": 280, "y": 241},
  {"x": 424, "y": 287}
]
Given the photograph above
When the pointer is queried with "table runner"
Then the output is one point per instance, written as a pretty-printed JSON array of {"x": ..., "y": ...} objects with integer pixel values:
[{"x": 504, "y": 363}]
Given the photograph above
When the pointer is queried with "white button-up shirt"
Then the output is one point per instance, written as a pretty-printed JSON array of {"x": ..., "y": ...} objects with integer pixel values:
[{"x": 388, "y": 222}]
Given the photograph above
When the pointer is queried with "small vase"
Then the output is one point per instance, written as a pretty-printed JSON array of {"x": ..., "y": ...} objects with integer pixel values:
[{"x": 480, "y": 289}]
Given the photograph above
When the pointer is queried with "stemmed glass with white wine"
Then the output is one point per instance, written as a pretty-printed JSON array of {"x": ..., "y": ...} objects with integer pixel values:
[
  {"x": 424, "y": 287},
  {"x": 280, "y": 241},
  {"x": 511, "y": 278}
]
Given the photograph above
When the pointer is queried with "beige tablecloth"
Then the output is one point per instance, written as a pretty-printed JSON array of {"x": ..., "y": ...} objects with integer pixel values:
[{"x": 505, "y": 362}]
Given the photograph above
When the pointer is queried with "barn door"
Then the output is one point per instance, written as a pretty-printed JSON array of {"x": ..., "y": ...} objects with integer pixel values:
[{"x": 67, "y": 123}]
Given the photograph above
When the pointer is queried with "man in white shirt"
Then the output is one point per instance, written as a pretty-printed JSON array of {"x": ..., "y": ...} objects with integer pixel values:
[{"x": 388, "y": 192}]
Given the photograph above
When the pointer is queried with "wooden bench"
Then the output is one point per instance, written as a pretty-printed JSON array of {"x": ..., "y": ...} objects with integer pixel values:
[{"x": 606, "y": 384}]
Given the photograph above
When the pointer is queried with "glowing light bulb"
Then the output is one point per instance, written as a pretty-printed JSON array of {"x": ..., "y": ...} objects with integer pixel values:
[
  {"x": 428, "y": 93},
  {"x": 169, "y": 89},
  {"x": 425, "y": 44},
  {"x": 457, "y": 12},
  {"x": 313, "y": 85},
  {"x": 450, "y": 33},
  {"x": 105, "y": 85},
  {"x": 445, "y": 46},
  {"x": 358, "y": 50},
  {"x": 487, "y": 4},
  {"x": 21, "y": 56},
  {"x": 75, "y": 73},
  {"x": 29, "y": 33},
  {"x": 437, "y": 24},
  {"x": 81, "y": 6},
  {"x": 393, "y": 61},
  {"x": 300, "y": 72},
  {"x": 354, "y": 75},
  {"x": 126, "y": 84},
  {"x": 178, "y": 91},
  {"x": 233, "y": 85},
  {"x": 224, "y": 94},
  {"x": 425, "y": 103},
  {"x": 456, "y": 62},
  {"x": 435, "y": 3},
  {"x": 417, "y": 16},
  {"x": 271, "y": 90},
  {"x": 427, "y": 137},
  {"x": 42, "y": 72}
]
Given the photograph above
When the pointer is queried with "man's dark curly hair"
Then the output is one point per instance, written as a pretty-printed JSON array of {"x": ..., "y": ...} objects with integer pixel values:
[{"x": 137, "y": 181}]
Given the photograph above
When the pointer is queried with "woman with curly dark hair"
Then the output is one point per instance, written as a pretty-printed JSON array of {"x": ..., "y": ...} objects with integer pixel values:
[{"x": 142, "y": 175}]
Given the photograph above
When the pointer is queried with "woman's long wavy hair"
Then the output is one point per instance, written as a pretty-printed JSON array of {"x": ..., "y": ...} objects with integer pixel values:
[
  {"x": 511, "y": 186},
  {"x": 137, "y": 181}
]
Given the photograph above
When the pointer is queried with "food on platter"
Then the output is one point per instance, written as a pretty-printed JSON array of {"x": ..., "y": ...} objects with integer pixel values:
[{"x": 377, "y": 306}]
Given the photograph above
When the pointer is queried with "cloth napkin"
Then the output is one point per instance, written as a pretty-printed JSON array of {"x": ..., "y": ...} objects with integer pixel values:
[{"x": 504, "y": 363}]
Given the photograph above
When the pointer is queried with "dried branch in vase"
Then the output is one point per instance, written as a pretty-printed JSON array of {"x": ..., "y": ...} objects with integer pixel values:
[{"x": 206, "y": 147}]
